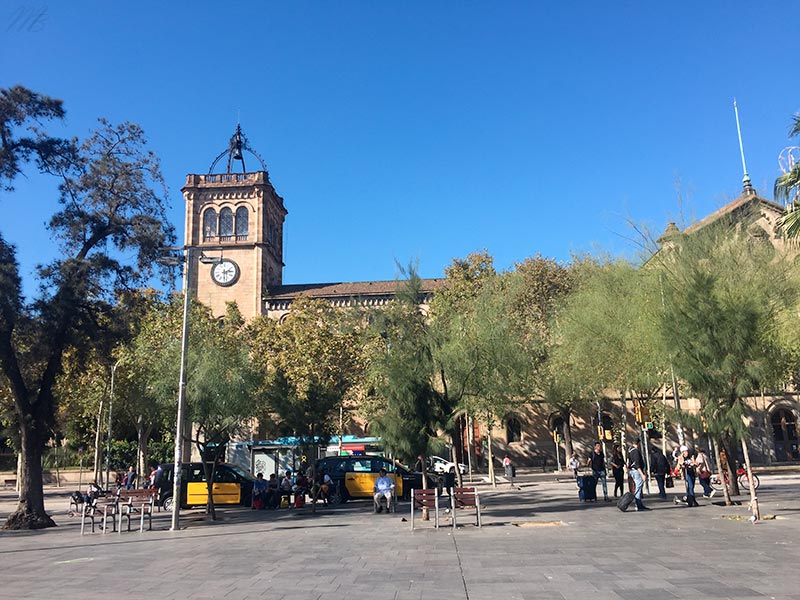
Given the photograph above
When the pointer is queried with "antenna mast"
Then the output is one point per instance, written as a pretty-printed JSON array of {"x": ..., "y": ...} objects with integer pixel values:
[{"x": 748, "y": 188}]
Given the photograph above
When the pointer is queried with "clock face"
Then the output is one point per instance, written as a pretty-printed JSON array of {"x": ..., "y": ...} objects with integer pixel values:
[{"x": 225, "y": 273}]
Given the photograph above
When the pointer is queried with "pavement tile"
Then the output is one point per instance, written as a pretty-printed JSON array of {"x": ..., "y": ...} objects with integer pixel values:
[{"x": 344, "y": 554}]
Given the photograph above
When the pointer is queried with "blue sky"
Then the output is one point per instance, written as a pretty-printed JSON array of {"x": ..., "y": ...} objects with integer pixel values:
[{"x": 424, "y": 130}]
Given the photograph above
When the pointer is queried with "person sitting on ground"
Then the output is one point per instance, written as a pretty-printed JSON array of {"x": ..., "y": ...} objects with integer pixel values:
[
  {"x": 260, "y": 492},
  {"x": 383, "y": 488},
  {"x": 286, "y": 486},
  {"x": 130, "y": 478},
  {"x": 301, "y": 484},
  {"x": 273, "y": 491}
]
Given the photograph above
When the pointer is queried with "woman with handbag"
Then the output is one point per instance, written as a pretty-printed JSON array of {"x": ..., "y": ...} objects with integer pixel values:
[{"x": 703, "y": 466}]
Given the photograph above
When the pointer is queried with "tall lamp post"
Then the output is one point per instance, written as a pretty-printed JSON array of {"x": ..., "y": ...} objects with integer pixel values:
[
  {"x": 173, "y": 261},
  {"x": 186, "y": 260},
  {"x": 108, "y": 440}
]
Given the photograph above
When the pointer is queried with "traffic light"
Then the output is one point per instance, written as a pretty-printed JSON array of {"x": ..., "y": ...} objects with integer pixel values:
[
  {"x": 648, "y": 425},
  {"x": 641, "y": 412}
]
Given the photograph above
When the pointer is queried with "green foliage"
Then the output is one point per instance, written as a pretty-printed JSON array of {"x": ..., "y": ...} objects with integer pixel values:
[
  {"x": 112, "y": 208},
  {"x": 311, "y": 362},
  {"x": 726, "y": 298},
  {"x": 413, "y": 410},
  {"x": 21, "y": 108}
]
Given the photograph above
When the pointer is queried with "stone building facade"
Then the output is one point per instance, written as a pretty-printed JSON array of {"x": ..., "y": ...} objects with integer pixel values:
[{"x": 235, "y": 225}]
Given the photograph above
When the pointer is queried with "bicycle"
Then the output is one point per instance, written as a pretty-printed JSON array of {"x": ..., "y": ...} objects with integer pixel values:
[{"x": 741, "y": 477}]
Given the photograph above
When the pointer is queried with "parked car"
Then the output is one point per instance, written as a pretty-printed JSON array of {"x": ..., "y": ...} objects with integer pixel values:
[
  {"x": 354, "y": 476},
  {"x": 232, "y": 485},
  {"x": 441, "y": 465}
]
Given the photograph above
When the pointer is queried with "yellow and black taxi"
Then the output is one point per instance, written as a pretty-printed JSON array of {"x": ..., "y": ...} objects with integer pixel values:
[
  {"x": 354, "y": 476},
  {"x": 232, "y": 485}
]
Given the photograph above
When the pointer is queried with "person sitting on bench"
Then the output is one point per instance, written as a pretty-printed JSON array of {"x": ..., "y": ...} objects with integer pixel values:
[{"x": 384, "y": 487}]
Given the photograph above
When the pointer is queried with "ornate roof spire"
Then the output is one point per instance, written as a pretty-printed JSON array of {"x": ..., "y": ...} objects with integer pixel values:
[
  {"x": 748, "y": 190},
  {"x": 237, "y": 144}
]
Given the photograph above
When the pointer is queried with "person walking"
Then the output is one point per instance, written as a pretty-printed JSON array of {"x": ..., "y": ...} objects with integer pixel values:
[
  {"x": 597, "y": 462},
  {"x": 687, "y": 467},
  {"x": 659, "y": 465},
  {"x": 617, "y": 469},
  {"x": 636, "y": 471},
  {"x": 703, "y": 469}
]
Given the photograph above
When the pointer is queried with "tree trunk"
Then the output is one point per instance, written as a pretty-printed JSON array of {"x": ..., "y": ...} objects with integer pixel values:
[
  {"x": 470, "y": 446},
  {"x": 454, "y": 458},
  {"x": 30, "y": 513},
  {"x": 725, "y": 490},
  {"x": 753, "y": 497},
  {"x": 98, "y": 437},
  {"x": 489, "y": 455},
  {"x": 566, "y": 414},
  {"x": 209, "y": 468},
  {"x": 142, "y": 438},
  {"x": 731, "y": 462}
]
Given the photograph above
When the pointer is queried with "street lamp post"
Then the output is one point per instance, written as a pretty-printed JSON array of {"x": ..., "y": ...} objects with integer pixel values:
[
  {"x": 108, "y": 440},
  {"x": 176, "y": 475},
  {"x": 186, "y": 259}
]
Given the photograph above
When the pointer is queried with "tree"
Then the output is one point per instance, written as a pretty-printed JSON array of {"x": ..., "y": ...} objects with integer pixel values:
[
  {"x": 221, "y": 389},
  {"x": 455, "y": 361},
  {"x": 310, "y": 362},
  {"x": 21, "y": 107},
  {"x": 726, "y": 298},
  {"x": 787, "y": 189},
  {"x": 609, "y": 335},
  {"x": 413, "y": 410},
  {"x": 111, "y": 196}
]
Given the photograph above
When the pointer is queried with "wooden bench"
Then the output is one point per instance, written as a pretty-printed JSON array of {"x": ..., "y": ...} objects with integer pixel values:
[
  {"x": 425, "y": 499},
  {"x": 465, "y": 497},
  {"x": 12, "y": 483},
  {"x": 131, "y": 501},
  {"x": 105, "y": 507}
]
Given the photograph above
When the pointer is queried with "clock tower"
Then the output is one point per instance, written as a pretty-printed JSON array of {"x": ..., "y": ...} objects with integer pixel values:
[{"x": 234, "y": 227}]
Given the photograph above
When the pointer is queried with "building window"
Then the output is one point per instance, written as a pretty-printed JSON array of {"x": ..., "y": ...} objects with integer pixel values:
[
  {"x": 241, "y": 223},
  {"x": 513, "y": 430},
  {"x": 225, "y": 224},
  {"x": 209, "y": 224}
]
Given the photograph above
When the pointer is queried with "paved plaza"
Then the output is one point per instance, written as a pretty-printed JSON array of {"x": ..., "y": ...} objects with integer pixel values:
[{"x": 537, "y": 542}]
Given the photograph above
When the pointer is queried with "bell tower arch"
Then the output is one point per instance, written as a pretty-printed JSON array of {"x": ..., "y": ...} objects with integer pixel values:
[{"x": 234, "y": 226}]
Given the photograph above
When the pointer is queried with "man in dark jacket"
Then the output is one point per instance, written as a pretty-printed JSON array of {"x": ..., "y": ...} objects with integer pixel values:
[
  {"x": 636, "y": 471},
  {"x": 659, "y": 465}
]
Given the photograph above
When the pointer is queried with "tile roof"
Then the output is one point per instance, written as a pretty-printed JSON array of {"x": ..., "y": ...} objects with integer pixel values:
[
  {"x": 347, "y": 289},
  {"x": 732, "y": 207}
]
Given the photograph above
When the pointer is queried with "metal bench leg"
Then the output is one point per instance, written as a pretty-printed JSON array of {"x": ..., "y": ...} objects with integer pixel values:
[{"x": 412, "y": 510}]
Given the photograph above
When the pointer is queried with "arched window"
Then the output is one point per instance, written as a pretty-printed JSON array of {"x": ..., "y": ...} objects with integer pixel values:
[
  {"x": 241, "y": 223},
  {"x": 225, "y": 224},
  {"x": 513, "y": 430},
  {"x": 784, "y": 435},
  {"x": 209, "y": 224}
]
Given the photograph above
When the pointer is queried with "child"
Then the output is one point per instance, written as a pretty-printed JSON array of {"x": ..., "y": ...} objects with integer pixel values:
[{"x": 574, "y": 463}]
